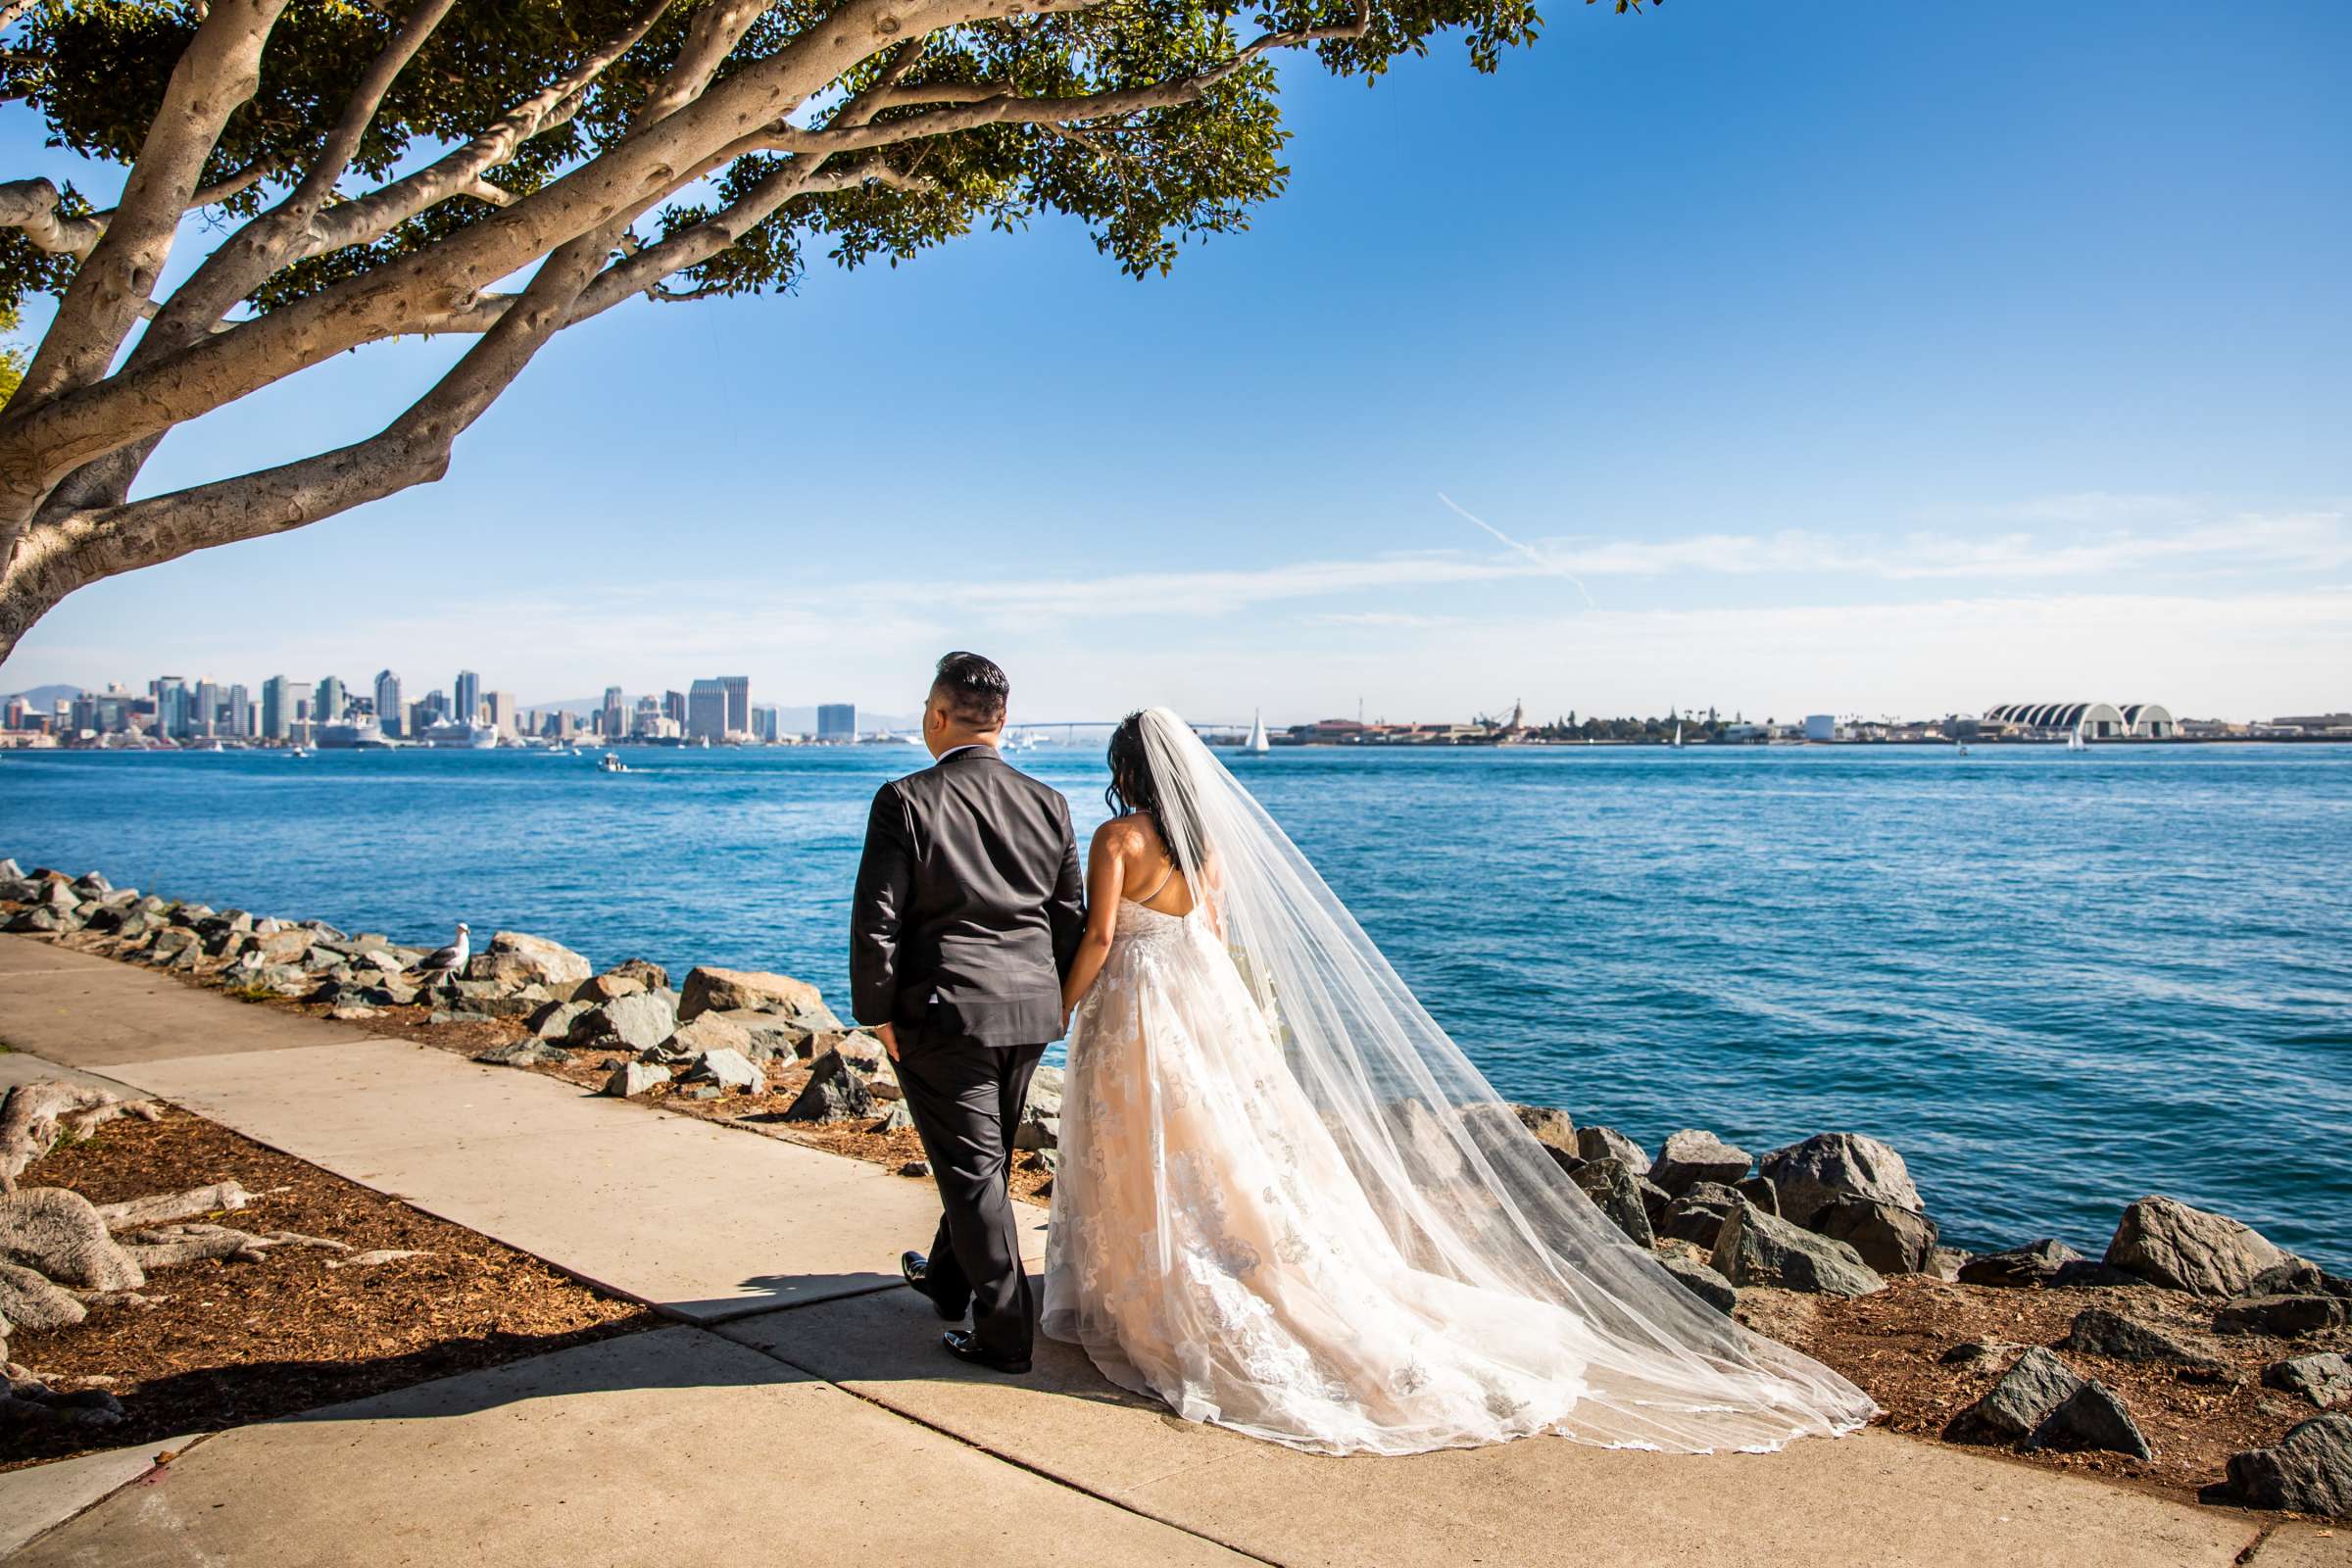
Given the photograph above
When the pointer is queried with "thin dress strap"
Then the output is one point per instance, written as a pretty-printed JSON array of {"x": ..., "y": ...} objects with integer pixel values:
[{"x": 1162, "y": 886}]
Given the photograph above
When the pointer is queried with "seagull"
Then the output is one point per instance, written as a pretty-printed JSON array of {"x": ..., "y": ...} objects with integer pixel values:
[{"x": 446, "y": 960}]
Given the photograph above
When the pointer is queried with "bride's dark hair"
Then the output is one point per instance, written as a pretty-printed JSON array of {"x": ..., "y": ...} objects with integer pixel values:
[{"x": 1133, "y": 786}]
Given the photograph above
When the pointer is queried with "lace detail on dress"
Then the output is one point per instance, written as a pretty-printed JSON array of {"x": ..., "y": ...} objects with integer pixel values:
[{"x": 1211, "y": 1246}]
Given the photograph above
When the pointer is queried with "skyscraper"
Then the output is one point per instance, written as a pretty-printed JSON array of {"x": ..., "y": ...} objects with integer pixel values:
[
  {"x": 739, "y": 702},
  {"x": 172, "y": 705},
  {"x": 707, "y": 712},
  {"x": 673, "y": 706},
  {"x": 837, "y": 722},
  {"x": 204, "y": 710},
  {"x": 616, "y": 718},
  {"x": 277, "y": 708},
  {"x": 468, "y": 704},
  {"x": 767, "y": 725},
  {"x": 239, "y": 716},
  {"x": 390, "y": 714},
  {"x": 502, "y": 712},
  {"x": 331, "y": 702}
]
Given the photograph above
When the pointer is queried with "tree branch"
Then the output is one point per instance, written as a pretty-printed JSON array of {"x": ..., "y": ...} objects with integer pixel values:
[
  {"x": 214, "y": 77},
  {"x": 30, "y": 206}
]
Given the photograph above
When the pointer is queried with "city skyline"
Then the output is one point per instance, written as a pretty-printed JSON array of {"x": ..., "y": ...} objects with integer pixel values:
[{"x": 1932, "y": 379}]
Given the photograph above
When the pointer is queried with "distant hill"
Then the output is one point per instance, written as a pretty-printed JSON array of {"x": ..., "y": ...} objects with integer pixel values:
[{"x": 44, "y": 698}]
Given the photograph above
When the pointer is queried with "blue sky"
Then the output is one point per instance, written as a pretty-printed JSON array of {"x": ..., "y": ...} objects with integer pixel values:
[{"x": 1905, "y": 358}]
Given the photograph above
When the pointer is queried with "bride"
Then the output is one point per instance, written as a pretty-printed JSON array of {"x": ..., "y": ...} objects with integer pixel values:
[{"x": 1286, "y": 1202}]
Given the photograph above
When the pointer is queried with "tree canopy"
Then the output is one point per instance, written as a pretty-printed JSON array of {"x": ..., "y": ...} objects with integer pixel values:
[{"x": 366, "y": 170}]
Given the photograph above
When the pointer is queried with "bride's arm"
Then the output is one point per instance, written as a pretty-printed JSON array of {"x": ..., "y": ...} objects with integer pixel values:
[{"x": 1105, "y": 874}]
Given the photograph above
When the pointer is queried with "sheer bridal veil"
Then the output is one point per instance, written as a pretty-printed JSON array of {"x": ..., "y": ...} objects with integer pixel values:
[{"x": 1463, "y": 1188}]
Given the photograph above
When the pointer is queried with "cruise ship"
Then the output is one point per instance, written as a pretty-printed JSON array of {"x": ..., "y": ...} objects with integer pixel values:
[{"x": 458, "y": 735}]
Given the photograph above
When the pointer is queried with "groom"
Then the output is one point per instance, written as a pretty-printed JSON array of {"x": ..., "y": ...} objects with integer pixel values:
[{"x": 966, "y": 916}]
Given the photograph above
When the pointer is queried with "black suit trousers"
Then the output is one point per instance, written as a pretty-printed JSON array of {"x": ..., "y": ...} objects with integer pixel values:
[{"x": 966, "y": 1100}]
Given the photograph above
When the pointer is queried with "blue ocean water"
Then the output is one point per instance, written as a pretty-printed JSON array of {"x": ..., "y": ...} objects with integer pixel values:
[{"x": 2054, "y": 982}]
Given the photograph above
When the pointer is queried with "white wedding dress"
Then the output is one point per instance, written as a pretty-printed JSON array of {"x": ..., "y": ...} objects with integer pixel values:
[{"x": 1313, "y": 1221}]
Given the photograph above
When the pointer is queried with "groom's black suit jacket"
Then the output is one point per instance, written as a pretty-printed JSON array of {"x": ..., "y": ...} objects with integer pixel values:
[{"x": 968, "y": 907}]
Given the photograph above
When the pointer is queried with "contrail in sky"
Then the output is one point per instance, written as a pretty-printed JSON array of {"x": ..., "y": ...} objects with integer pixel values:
[{"x": 1529, "y": 551}]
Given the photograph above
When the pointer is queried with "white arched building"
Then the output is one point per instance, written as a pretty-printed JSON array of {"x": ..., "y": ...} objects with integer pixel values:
[{"x": 2098, "y": 722}]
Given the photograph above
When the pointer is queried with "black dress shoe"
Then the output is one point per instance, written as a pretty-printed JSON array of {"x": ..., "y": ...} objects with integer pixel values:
[
  {"x": 963, "y": 1346},
  {"x": 915, "y": 1268}
]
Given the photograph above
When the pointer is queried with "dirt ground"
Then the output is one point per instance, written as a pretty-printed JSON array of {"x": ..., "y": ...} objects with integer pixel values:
[
  {"x": 1890, "y": 1343},
  {"x": 228, "y": 1343}
]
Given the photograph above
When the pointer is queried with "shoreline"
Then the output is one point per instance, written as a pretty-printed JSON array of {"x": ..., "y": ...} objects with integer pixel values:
[{"x": 2183, "y": 1329}]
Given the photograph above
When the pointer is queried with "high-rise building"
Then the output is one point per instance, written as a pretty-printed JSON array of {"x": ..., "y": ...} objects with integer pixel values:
[
  {"x": 467, "y": 709},
  {"x": 204, "y": 710},
  {"x": 767, "y": 725},
  {"x": 707, "y": 712},
  {"x": 172, "y": 705},
  {"x": 277, "y": 708},
  {"x": 615, "y": 720},
  {"x": 502, "y": 712},
  {"x": 673, "y": 706},
  {"x": 238, "y": 721},
  {"x": 331, "y": 702},
  {"x": 837, "y": 722},
  {"x": 391, "y": 715},
  {"x": 739, "y": 702}
]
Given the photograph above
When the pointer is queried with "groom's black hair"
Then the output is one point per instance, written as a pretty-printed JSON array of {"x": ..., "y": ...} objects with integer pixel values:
[{"x": 975, "y": 689}]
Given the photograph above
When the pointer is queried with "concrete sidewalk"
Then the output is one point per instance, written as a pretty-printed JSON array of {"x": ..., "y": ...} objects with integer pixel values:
[
  {"x": 698, "y": 1220},
  {"x": 816, "y": 1421}
]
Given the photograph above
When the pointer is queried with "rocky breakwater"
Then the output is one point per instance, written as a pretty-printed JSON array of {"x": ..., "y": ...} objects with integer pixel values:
[{"x": 2200, "y": 1301}]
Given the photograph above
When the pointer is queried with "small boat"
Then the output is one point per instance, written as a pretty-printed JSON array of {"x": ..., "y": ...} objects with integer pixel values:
[
  {"x": 299, "y": 752},
  {"x": 1960, "y": 747},
  {"x": 1678, "y": 737},
  {"x": 1257, "y": 745},
  {"x": 2075, "y": 741},
  {"x": 610, "y": 762}
]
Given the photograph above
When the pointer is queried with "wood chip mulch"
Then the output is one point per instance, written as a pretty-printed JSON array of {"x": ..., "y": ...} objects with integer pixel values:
[
  {"x": 230, "y": 1342},
  {"x": 1890, "y": 1344}
]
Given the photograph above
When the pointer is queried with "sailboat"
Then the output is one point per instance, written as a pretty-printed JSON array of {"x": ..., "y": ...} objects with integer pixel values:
[
  {"x": 1678, "y": 735},
  {"x": 1257, "y": 745},
  {"x": 2075, "y": 741}
]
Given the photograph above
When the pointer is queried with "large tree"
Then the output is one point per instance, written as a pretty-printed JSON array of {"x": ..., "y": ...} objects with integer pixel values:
[{"x": 369, "y": 170}]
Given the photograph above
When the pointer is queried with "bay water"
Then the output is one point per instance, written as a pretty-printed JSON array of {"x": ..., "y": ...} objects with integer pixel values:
[{"x": 2055, "y": 981}]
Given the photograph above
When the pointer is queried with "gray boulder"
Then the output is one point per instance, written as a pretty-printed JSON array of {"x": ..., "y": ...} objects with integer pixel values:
[
  {"x": 633, "y": 1078},
  {"x": 1700, "y": 1281},
  {"x": 709, "y": 990},
  {"x": 1760, "y": 1191},
  {"x": 553, "y": 1019},
  {"x": 2035, "y": 1263},
  {"x": 1613, "y": 1191},
  {"x": 1607, "y": 1143},
  {"x": 712, "y": 1031},
  {"x": 2308, "y": 1471},
  {"x": 524, "y": 1054},
  {"x": 2096, "y": 1331},
  {"x": 640, "y": 1021},
  {"x": 1037, "y": 1132},
  {"x": 1549, "y": 1125},
  {"x": 766, "y": 1036},
  {"x": 730, "y": 1070},
  {"x": 2324, "y": 1378},
  {"x": 897, "y": 1116},
  {"x": 1828, "y": 1166},
  {"x": 1692, "y": 1156},
  {"x": 515, "y": 958},
  {"x": 57, "y": 1232},
  {"x": 2092, "y": 1417},
  {"x": 1892, "y": 1240},
  {"x": 1946, "y": 1262},
  {"x": 2285, "y": 1317},
  {"x": 2170, "y": 1244},
  {"x": 836, "y": 1091},
  {"x": 1697, "y": 1215},
  {"x": 1756, "y": 1249},
  {"x": 2295, "y": 1277},
  {"x": 2013, "y": 1408}
]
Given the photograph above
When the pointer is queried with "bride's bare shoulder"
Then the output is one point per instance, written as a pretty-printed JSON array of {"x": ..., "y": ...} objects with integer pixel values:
[{"x": 1123, "y": 836}]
